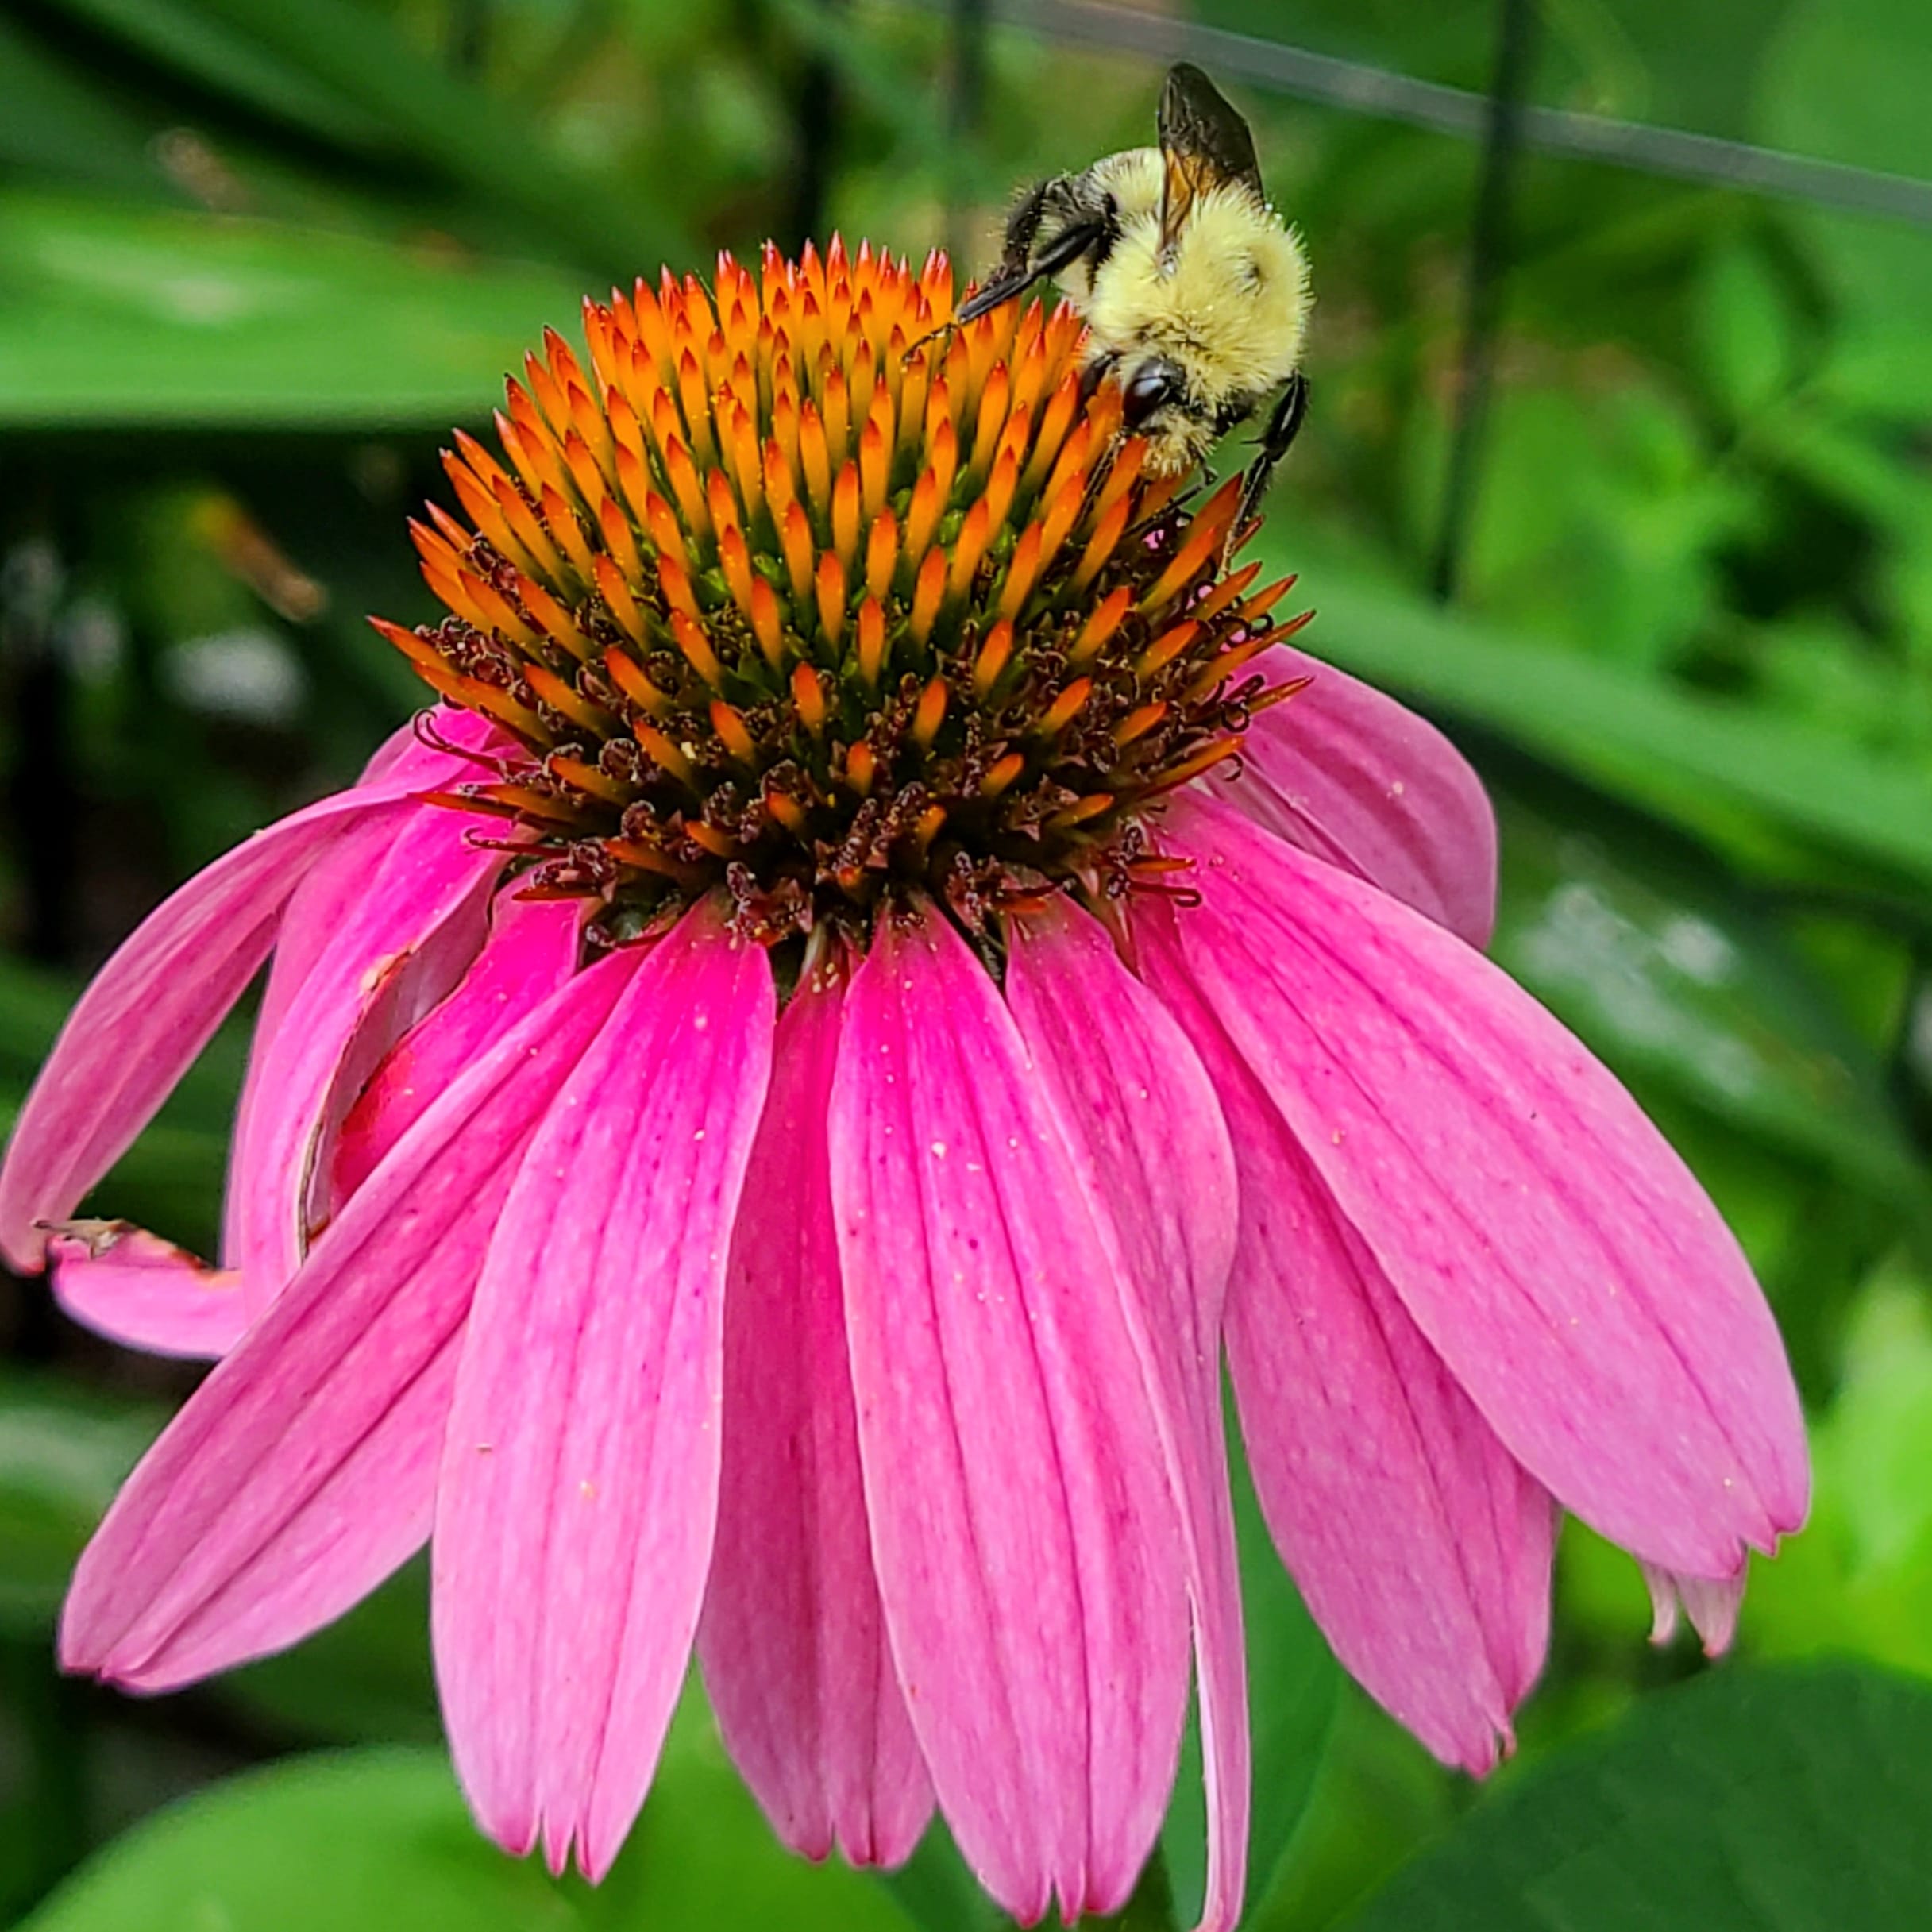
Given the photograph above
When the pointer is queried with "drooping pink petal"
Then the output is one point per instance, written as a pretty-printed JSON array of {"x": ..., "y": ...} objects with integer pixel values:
[
  {"x": 1027, "y": 1545},
  {"x": 1711, "y": 1603},
  {"x": 578, "y": 1493},
  {"x": 398, "y": 947},
  {"x": 1420, "y": 1545},
  {"x": 533, "y": 949},
  {"x": 301, "y": 1471},
  {"x": 1343, "y": 771},
  {"x": 793, "y": 1645},
  {"x": 144, "y": 1292},
  {"x": 152, "y": 1008},
  {"x": 1555, "y": 1251},
  {"x": 1137, "y": 1111}
]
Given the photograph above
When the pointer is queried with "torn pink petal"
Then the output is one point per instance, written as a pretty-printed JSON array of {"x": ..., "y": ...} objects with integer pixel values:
[
  {"x": 143, "y": 1292},
  {"x": 1711, "y": 1603},
  {"x": 1420, "y": 1545},
  {"x": 532, "y": 950},
  {"x": 579, "y": 1486},
  {"x": 1027, "y": 1546},
  {"x": 152, "y": 1008},
  {"x": 1347, "y": 773},
  {"x": 792, "y": 1644},
  {"x": 1141, "y": 1119},
  {"x": 301, "y": 1471},
  {"x": 398, "y": 948},
  {"x": 1554, "y": 1251}
]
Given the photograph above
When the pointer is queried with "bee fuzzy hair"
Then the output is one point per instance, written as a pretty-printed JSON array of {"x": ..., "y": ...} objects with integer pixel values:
[{"x": 1228, "y": 303}]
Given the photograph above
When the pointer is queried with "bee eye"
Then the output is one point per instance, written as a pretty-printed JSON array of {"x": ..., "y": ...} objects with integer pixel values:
[{"x": 1148, "y": 388}]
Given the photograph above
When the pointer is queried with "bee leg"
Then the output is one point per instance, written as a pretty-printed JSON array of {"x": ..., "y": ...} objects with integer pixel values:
[
  {"x": 1284, "y": 422},
  {"x": 1020, "y": 265},
  {"x": 1095, "y": 373}
]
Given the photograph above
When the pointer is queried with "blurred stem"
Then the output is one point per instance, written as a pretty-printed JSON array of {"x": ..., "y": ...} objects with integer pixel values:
[
  {"x": 42, "y": 801},
  {"x": 815, "y": 121},
  {"x": 1489, "y": 249},
  {"x": 966, "y": 107}
]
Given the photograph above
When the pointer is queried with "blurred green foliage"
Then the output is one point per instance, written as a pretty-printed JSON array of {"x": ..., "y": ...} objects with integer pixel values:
[{"x": 256, "y": 255}]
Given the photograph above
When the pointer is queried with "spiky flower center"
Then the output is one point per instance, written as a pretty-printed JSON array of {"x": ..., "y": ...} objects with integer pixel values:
[{"x": 798, "y": 592}]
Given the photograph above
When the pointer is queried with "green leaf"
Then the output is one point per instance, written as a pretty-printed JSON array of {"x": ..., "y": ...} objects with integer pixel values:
[
  {"x": 341, "y": 1842},
  {"x": 1640, "y": 734},
  {"x": 1749, "y": 355},
  {"x": 113, "y": 317},
  {"x": 1791, "y": 1798},
  {"x": 1293, "y": 1685},
  {"x": 200, "y": 44},
  {"x": 59, "y": 121},
  {"x": 1649, "y": 946},
  {"x": 349, "y": 71}
]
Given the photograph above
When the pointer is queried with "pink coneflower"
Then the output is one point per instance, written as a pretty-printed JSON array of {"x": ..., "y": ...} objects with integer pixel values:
[{"x": 768, "y": 1104}]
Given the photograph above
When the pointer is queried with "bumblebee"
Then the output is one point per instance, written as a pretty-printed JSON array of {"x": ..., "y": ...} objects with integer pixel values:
[{"x": 1194, "y": 292}]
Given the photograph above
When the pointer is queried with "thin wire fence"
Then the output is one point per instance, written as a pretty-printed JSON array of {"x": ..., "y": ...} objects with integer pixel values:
[{"x": 1277, "y": 67}]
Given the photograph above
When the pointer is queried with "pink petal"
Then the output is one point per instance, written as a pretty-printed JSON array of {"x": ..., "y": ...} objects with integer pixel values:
[
  {"x": 579, "y": 1487},
  {"x": 1026, "y": 1543},
  {"x": 144, "y": 1292},
  {"x": 793, "y": 1648},
  {"x": 533, "y": 949},
  {"x": 1711, "y": 1603},
  {"x": 398, "y": 948},
  {"x": 151, "y": 1009},
  {"x": 1138, "y": 1112},
  {"x": 1420, "y": 1545},
  {"x": 1554, "y": 1252},
  {"x": 301, "y": 1471},
  {"x": 1344, "y": 771}
]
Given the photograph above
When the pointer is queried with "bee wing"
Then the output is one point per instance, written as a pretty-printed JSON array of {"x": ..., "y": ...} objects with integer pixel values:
[{"x": 1203, "y": 143}]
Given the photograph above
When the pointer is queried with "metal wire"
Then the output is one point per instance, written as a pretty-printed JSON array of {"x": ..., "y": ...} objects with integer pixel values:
[{"x": 1273, "y": 66}]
